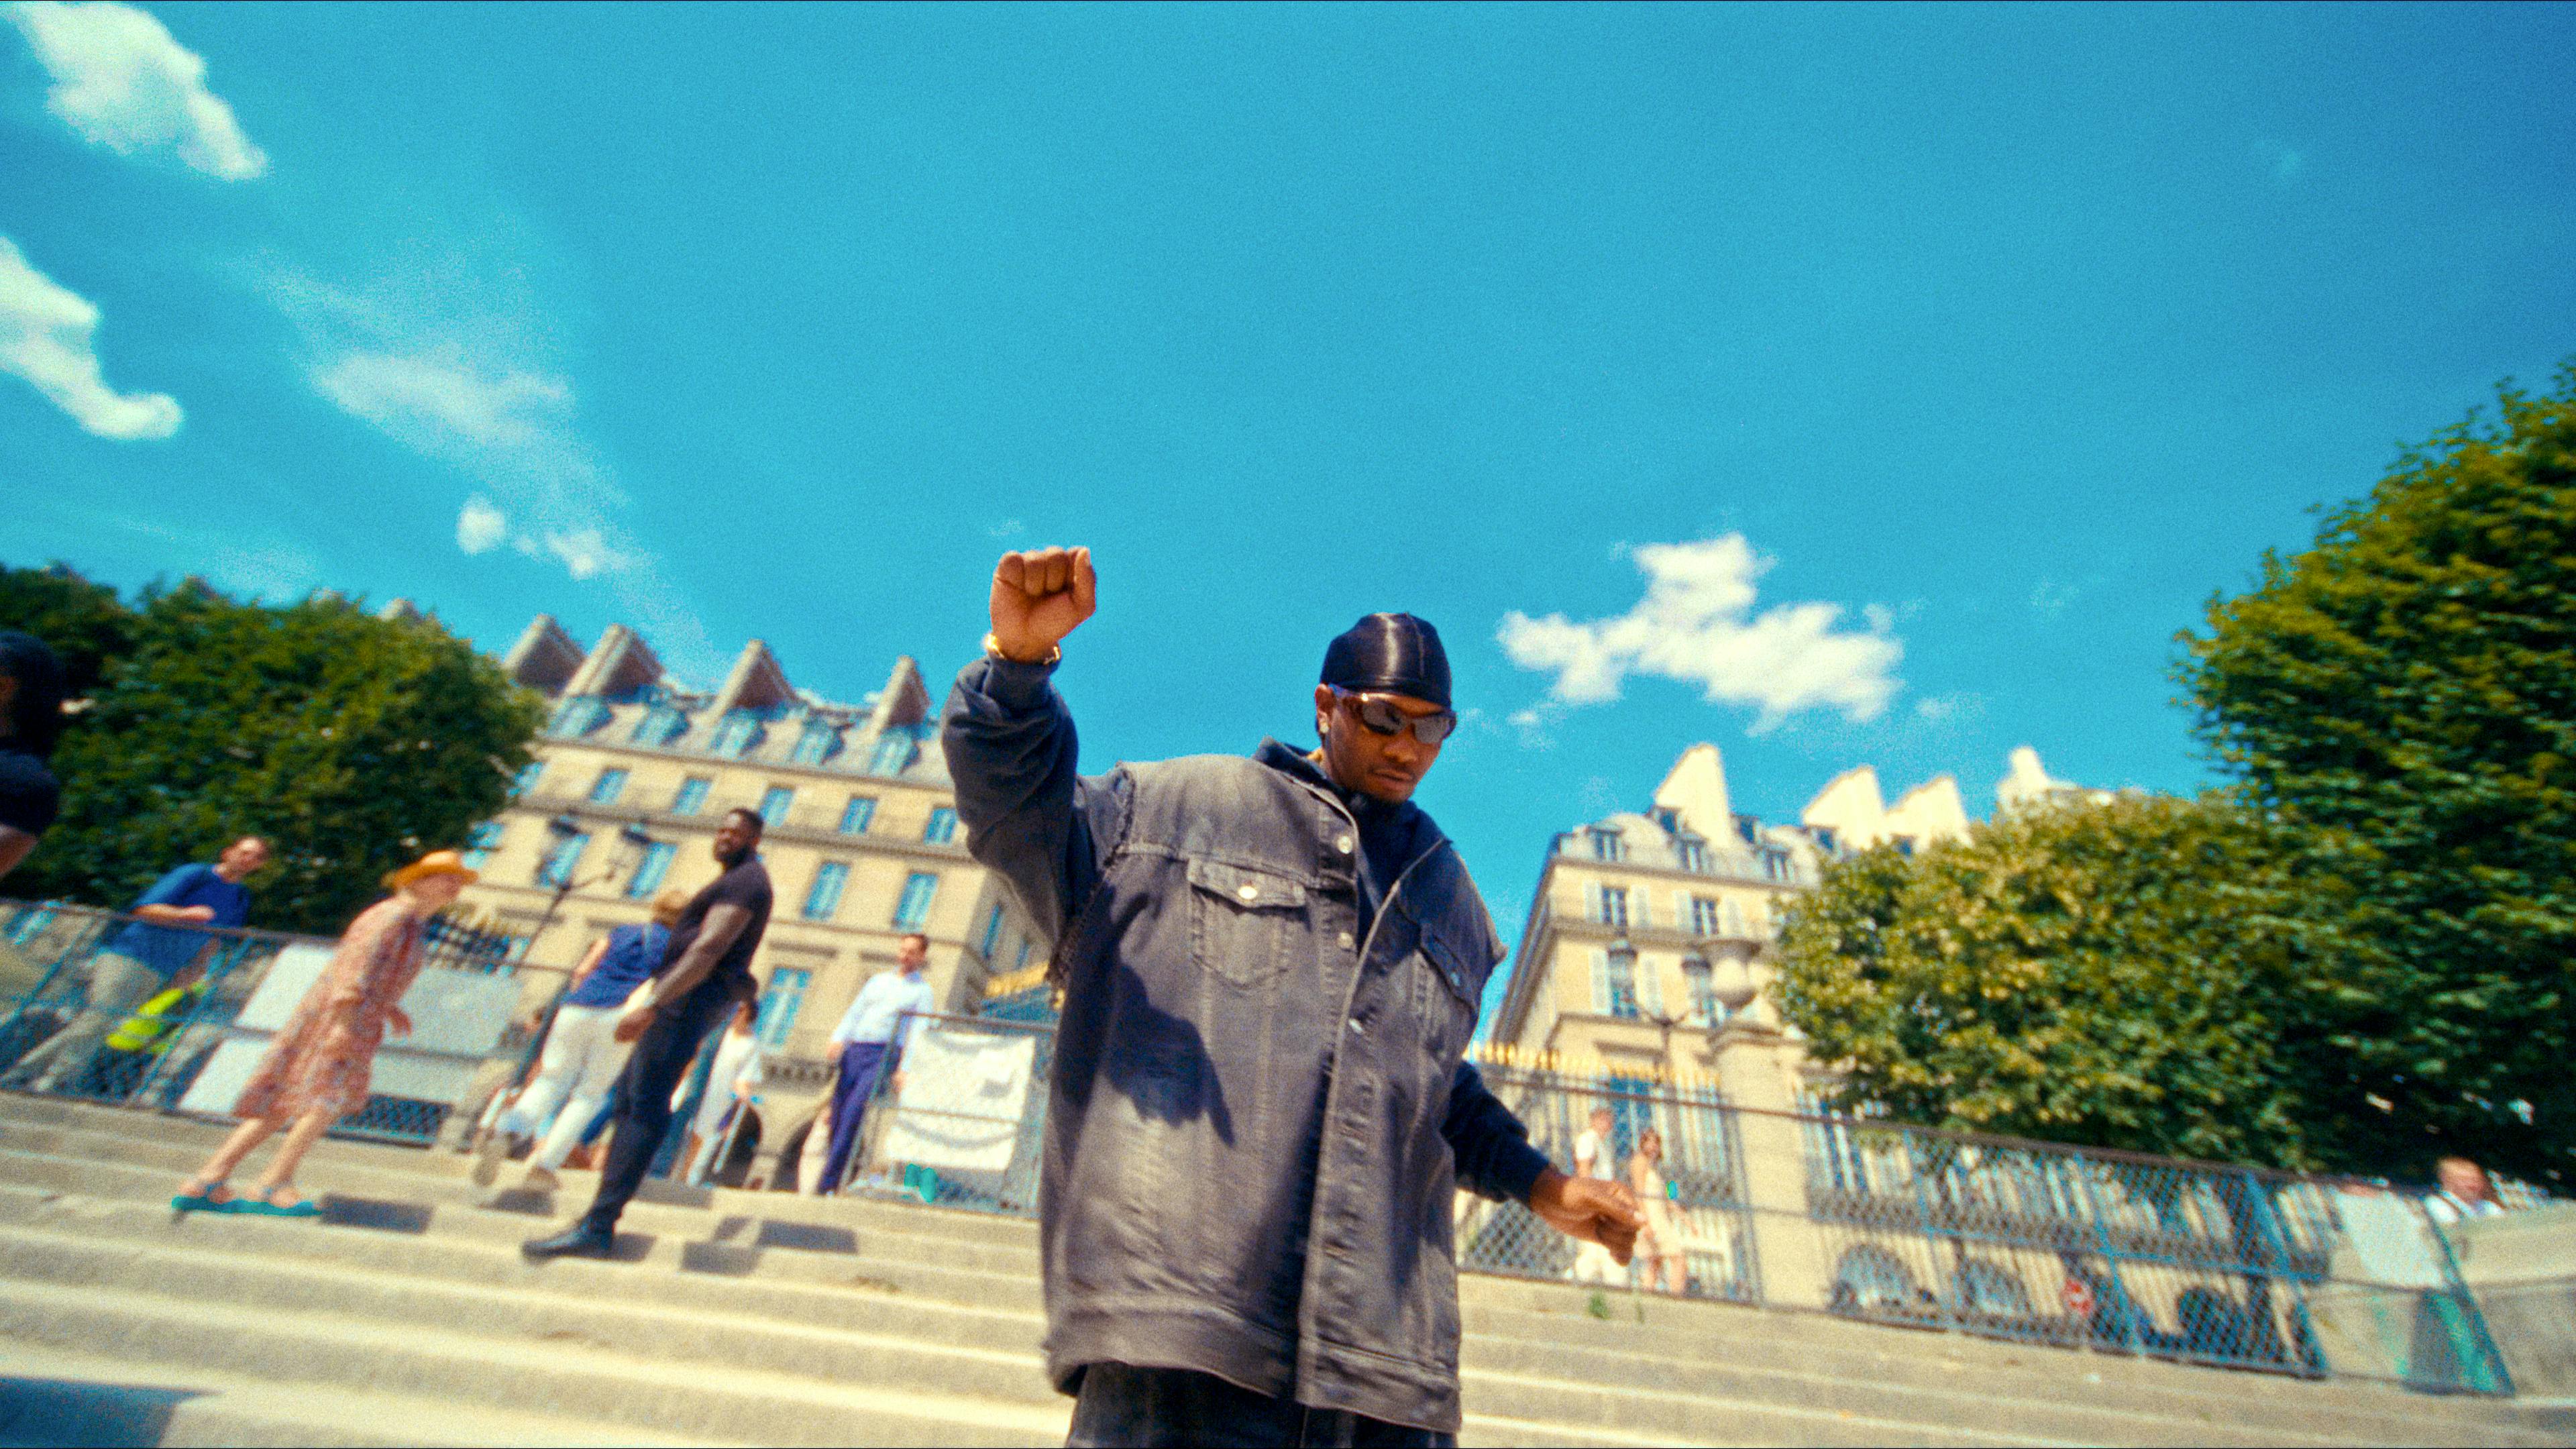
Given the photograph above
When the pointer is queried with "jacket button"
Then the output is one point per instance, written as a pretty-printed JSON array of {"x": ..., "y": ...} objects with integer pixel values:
[
  {"x": 1342, "y": 843},
  {"x": 1347, "y": 943},
  {"x": 1249, "y": 892}
]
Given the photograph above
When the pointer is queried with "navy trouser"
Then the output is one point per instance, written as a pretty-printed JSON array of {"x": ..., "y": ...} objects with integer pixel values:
[
  {"x": 1122, "y": 1404},
  {"x": 662, "y": 1056},
  {"x": 862, "y": 1062}
]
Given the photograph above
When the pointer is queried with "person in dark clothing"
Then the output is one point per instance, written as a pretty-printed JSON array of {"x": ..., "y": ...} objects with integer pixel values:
[
  {"x": 31, "y": 719},
  {"x": 705, "y": 974},
  {"x": 1259, "y": 1110}
]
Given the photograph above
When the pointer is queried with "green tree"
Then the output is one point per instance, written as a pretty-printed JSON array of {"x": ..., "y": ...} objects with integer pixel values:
[
  {"x": 2110, "y": 975},
  {"x": 87, "y": 625},
  {"x": 2402, "y": 697},
  {"x": 352, "y": 743}
]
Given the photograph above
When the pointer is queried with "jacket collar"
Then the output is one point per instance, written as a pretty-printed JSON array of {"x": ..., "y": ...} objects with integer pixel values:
[{"x": 1366, "y": 810}]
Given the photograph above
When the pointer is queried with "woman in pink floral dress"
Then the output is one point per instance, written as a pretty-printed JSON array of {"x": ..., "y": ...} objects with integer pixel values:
[{"x": 316, "y": 1071}]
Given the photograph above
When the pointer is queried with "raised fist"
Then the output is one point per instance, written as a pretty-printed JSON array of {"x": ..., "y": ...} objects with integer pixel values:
[{"x": 1039, "y": 597}]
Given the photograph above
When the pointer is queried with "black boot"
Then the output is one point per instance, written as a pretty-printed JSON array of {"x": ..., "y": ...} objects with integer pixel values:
[{"x": 581, "y": 1240}]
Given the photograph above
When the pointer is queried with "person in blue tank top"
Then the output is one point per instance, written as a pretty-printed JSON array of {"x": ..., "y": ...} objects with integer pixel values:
[{"x": 582, "y": 1056}]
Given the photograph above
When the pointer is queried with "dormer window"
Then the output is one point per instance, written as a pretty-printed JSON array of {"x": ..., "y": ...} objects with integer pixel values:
[
  {"x": 1606, "y": 845},
  {"x": 740, "y": 732},
  {"x": 577, "y": 717},
  {"x": 818, "y": 743}
]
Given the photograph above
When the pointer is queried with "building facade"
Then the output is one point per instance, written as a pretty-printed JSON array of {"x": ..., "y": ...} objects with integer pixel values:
[{"x": 634, "y": 771}]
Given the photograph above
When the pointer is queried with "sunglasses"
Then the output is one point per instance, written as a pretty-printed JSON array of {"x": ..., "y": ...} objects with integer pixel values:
[{"x": 1379, "y": 713}]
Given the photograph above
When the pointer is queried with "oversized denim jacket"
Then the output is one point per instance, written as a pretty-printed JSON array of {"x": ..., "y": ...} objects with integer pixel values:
[{"x": 1256, "y": 1120}]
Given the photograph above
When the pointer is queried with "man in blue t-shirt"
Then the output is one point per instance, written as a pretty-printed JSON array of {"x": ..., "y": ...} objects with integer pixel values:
[
  {"x": 162, "y": 947},
  {"x": 582, "y": 1056}
]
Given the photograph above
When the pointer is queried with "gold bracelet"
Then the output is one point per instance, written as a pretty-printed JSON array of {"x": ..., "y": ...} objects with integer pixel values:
[{"x": 993, "y": 649}]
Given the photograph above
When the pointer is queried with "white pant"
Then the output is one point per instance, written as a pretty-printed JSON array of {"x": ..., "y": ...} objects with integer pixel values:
[
  {"x": 1593, "y": 1264},
  {"x": 581, "y": 1062}
]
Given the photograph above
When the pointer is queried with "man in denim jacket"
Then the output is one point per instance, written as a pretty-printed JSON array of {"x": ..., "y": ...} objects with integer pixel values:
[{"x": 1259, "y": 1111}]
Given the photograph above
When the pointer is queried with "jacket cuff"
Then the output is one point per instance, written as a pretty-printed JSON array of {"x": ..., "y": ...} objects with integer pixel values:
[
  {"x": 1515, "y": 1171},
  {"x": 1018, "y": 688}
]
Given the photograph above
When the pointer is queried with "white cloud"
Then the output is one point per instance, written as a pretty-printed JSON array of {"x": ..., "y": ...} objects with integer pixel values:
[
  {"x": 480, "y": 527},
  {"x": 438, "y": 400},
  {"x": 45, "y": 337},
  {"x": 1943, "y": 708},
  {"x": 1696, "y": 624},
  {"x": 585, "y": 553},
  {"x": 124, "y": 83}
]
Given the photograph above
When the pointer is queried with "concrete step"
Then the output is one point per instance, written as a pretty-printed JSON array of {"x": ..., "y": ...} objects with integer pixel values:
[
  {"x": 94, "y": 1401},
  {"x": 962, "y": 1238},
  {"x": 707, "y": 1242},
  {"x": 1538, "y": 1367},
  {"x": 1684, "y": 1332},
  {"x": 20, "y": 1112},
  {"x": 551, "y": 1376}
]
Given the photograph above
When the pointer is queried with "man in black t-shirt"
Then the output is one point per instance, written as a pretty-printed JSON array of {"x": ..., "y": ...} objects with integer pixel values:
[
  {"x": 705, "y": 973},
  {"x": 31, "y": 716}
]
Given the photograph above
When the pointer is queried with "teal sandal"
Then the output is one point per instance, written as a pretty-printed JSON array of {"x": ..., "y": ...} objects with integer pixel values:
[
  {"x": 266, "y": 1205},
  {"x": 203, "y": 1200}
]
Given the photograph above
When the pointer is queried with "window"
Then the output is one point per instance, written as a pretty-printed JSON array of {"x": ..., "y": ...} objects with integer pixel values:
[
  {"x": 1606, "y": 845},
  {"x": 1703, "y": 916},
  {"x": 604, "y": 790},
  {"x": 528, "y": 775},
  {"x": 650, "y": 870},
  {"x": 660, "y": 725},
  {"x": 577, "y": 717},
  {"x": 559, "y": 862},
  {"x": 1023, "y": 963},
  {"x": 1775, "y": 864},
  {"x": 1614, "y": 906},
  {"x": 824, "y": 896},
  {"x": 1668, "y": 818},
  {"x": 480, "y": 842},
  {"x": 1614, "y": 983},
  {"x": 895, "y": 751},
  {"x": 735, "y": 737},
  {"x": 942, "y": 826},
  {"x": 1704, "y": 1010},
  {"x": 693, "y": 795},
  {"x": 818, "y": 743},
  {"x": 1824, "y": 836},
  {"x": 1693, "y": 856},
  {"x": 992, "y": 934},
  {"x": 778, "y": 1005},
  {"x": 914, "y": 908},
  {"x": 1632, "y": 1111},
  {"x": 773, "y": 805},
  {"x": 1749, "y": 828},
  {"x": 1905, "y": 846},
  {"x": 856, "y": 815}
]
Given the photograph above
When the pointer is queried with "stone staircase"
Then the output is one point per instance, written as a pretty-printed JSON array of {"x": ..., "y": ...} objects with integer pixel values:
[{"x": 407, "y": 1317}]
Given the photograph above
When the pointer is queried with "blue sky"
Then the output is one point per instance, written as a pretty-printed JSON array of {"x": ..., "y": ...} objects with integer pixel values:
[{"x": 1938, "y": 364}]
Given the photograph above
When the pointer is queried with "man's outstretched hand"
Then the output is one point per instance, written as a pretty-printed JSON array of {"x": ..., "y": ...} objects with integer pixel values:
[
  {"x": 1590, "y": 1209},
  {"x": 1039, "y": 597}
]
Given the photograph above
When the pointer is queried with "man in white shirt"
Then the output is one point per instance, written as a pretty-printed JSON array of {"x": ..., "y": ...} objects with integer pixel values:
[
  {"x": 871, "y": 1039},
  {"x": 1594, "y": 1151},
  {"x": 2465, "y": 1193}
]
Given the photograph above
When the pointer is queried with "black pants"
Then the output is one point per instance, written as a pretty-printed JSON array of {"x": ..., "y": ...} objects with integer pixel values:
[
  {"x": 1122, "y": 1405},
  {"x": 662, "y": 1057}
]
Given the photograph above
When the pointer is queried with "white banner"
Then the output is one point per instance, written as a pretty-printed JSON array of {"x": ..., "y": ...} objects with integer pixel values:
[
  {"x": 964, "y": 1094},
  {"x": 457, "y": 1019}
]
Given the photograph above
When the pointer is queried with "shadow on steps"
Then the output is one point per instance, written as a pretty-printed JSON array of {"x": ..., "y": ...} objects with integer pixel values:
[{"x": 84, "y": 1414}]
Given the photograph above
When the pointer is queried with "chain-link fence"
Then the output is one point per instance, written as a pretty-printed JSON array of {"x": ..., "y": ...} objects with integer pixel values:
[
  {"x": 964, "y": 1125},
  {"x": 109, "y": 1008}
]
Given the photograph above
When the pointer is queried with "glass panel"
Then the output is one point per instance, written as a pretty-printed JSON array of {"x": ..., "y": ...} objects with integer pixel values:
[
  {"x": 560, "y": 861},
  {"x": 650, "y": 870},
  {"x": 778, "y": 1005},
  {"x": 992, "y": 933},
  {"x": 773, "y": 806},
  {"x": 692, "y": 797},
  {"x": 528, "y": 775},
  {"x": 604, "y": 790},
  {"x": 914, "y": 908},
  {"x": 942, "y": 826},
  {"x": 825, "y": 895},
  {"x": 856, "y": 815}
]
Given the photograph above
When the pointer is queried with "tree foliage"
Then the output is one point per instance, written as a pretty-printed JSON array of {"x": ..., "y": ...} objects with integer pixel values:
[
  {"x": 352, "y": 743},
  {"x": 85, "y": 623},
  {"x": 2108, "y": 975},
  {"x": 2402, "y": 696}
]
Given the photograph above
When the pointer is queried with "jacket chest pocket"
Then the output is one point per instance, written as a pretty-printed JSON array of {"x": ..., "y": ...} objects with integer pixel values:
[
  {"x": 1448, "y": 986},
  {"x": 1243, "y": 922}
]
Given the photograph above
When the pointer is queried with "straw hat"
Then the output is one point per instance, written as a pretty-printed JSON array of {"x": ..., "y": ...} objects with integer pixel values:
[{"x": 437, "y": 862}]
